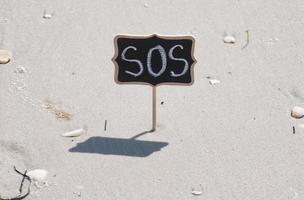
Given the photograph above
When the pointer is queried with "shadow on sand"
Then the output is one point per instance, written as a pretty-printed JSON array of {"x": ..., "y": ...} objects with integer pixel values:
[{"x": 119, "y": 146}]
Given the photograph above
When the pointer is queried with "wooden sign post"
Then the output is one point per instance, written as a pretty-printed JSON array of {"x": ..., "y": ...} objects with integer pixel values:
[
  {"x": 154, "y": 109},
  {"x": 154, "y": 60}
]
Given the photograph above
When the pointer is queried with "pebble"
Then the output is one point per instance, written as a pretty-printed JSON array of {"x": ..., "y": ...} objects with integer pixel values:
[
  {"x": 213, "y": 81},
  {"x": 297, "y": 112},
  {"x": 229, "y": 39},
  {"x": 75, "y": 133},
  {"x": 5, "y": 56},
  {"x": 37, "y": 174}
]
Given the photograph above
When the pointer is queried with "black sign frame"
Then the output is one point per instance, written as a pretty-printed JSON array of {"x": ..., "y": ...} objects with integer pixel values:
[{"x": 155, "y": 36}]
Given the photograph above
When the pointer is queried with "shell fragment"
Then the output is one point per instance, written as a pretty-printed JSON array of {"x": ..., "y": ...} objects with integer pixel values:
[
  {"x": 229, "y": 39},
  {"x": 297, "y": 112},
  {"x": 75, "y": 133},
  {"x": 38, "y": 175},
  {"x": 213, "y": 81},
  {"x": 5, "y": 56},
  {"x": 196, "y": 192}
]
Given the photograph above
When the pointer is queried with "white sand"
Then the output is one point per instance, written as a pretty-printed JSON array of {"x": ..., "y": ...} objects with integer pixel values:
[{"x": 233, "y": 139}]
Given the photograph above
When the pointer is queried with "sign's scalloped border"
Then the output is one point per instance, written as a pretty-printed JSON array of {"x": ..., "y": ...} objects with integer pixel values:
[{"x": 146, "y": 37}]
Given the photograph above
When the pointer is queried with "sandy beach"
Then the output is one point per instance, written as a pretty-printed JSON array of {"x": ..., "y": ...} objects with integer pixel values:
[{"x": 232, "y": 140}]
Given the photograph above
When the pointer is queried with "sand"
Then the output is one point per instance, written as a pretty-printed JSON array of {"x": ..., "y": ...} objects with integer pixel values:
[{"x": 232, "y": 140}]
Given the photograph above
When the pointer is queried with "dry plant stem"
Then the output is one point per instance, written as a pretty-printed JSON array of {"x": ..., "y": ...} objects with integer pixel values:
[
  {"x": 247, "y": 41},
  {"x": 105, "y": 125},
  {"x": 19, "y": 197}
]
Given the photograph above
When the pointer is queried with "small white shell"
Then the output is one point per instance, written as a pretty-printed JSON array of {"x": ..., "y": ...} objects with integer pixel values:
[
  {"x": 37, "y": 174},
  {"x": 213, "y": 81},
  {"x": 297, "y": 112},
  {"x": 229, "y": 39},
  {"x": 5, "y": 56},
  {"x": 75, "y": 133},
  {"x": 197, "y": 192}
]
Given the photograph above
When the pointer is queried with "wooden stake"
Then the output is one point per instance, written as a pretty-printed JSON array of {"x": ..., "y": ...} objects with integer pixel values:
[{"x": 153, "y": 108}]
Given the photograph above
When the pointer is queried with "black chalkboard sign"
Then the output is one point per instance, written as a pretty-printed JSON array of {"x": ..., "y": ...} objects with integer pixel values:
[{"x": 154, "y": 59}]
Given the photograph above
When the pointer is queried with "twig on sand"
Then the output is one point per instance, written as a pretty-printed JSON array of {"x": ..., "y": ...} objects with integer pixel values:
[
  {"x": 105, "y": 125},
  {"x": 247, "y": 41},
  {"x": 20, "y": 196}
]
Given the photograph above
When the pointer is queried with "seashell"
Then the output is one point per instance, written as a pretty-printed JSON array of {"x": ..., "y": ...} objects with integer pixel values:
[
  {"x": 229, "y": 39},
  {"x": 75, "y": 133},
  {"x": 5, "y": 56},
  {"x": 297, "y": 112},
  {"x": 197, "y": 192},
  {"x": 37, "y": 174},
  {"x": 213, "y": 81}
]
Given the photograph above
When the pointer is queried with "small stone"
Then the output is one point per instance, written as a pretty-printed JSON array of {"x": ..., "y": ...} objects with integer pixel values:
[
  {"x": 297, "y": 112},
  {"x": 229, "y": 39},
  {"x": 213, "y": 81},
  {"x": 5, "y": 56}
]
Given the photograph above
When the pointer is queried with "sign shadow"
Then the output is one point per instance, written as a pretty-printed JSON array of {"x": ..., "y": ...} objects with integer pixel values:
[{"x": 119, "y": 146}]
